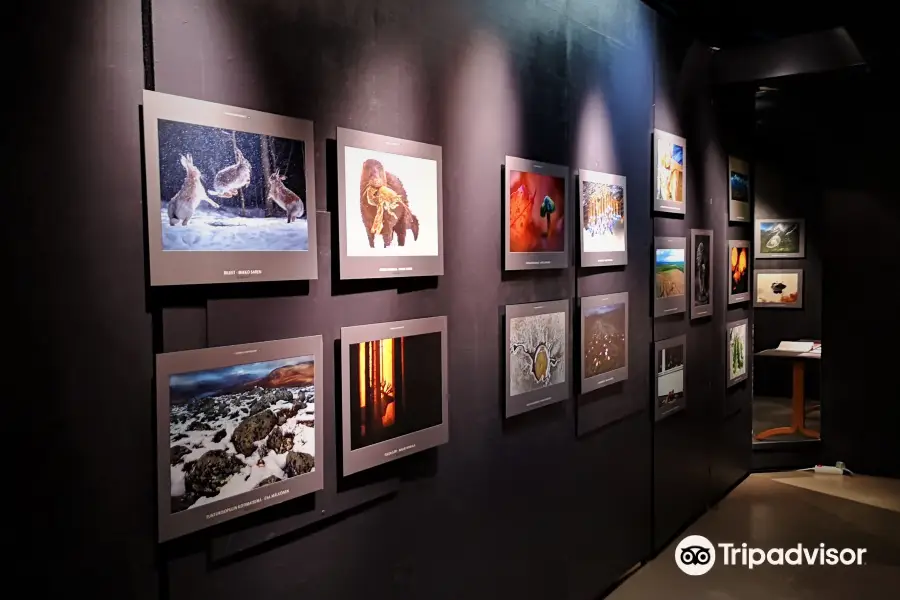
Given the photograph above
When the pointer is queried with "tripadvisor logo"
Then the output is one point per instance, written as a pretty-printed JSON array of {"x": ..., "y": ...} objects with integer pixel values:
[{"x": 696, "y": 555}]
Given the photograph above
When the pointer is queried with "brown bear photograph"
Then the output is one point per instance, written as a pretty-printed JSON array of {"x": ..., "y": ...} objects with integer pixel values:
[{"x": 396, "y": 211}]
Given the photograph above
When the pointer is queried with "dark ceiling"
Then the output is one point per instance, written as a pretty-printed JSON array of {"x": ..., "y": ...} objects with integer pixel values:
[
  {"x": 729, "y": 23},
  {"x": 725, "y": 23}
]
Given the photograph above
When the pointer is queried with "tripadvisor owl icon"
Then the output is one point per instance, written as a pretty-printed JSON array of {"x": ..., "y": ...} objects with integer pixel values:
[{"x": 695, "y": 555}]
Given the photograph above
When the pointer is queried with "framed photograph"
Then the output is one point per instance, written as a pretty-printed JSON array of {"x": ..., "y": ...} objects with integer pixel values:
[
  {"x": 231, "y": 193},
  {"x": 738, "y": 271},
  {"x": 394, "y": 391},
  {"x": 778, "y": 288},
  {"x": 671, "y": 359},
  {"x": 780, "y": 238},
  {"x": 670, "y": 287},
  {"x": 669, "y": 172},
  {"x": 738, "y": 190},
  {"x": 239, "y": 429},
  {"x": 604, "y": 340},
  {"x": 701, "y": 273},
  {"x": 537, "y": 347},
  {"x": 534, "y": 218},
  {"x": 604, "y": 230},
  {"x": 738, "y": 349},
  {"x": 390, "y": 206}
]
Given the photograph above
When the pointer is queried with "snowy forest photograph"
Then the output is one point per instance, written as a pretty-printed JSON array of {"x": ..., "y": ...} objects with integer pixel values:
[
  {"x": 238, "y": 428},
  {"x": 396, "y": 388},
  {"x": 226, "y": 190}
]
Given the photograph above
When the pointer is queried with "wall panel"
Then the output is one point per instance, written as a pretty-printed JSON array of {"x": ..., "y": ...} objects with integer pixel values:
[{"x": 521, "y": 508}]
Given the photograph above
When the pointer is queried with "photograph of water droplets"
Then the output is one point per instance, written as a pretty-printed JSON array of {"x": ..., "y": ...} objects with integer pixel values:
[
  {"x": 226, "y": 190},
  {"x": 537, "y": 352}
]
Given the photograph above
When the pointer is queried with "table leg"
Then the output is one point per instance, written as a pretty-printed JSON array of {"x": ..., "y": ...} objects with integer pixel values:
[
  {"x": 798, "y": 402},
  {"x": 798, "y": 418},
  {"x": 776, "y": 431}
]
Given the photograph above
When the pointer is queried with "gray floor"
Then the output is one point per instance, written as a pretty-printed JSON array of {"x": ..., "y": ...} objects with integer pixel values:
[
  {"x": 770, "y": 412},
  {"x": 781, "y": 510}
]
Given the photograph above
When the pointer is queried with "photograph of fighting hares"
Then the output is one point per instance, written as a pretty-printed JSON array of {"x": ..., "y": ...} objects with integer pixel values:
[
  {"x": 228, "y": 190},
  {"x": 396, "y": 210}
]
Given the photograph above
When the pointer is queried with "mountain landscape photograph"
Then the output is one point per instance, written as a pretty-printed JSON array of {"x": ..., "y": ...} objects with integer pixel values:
[{"x": 237, "y": 428}]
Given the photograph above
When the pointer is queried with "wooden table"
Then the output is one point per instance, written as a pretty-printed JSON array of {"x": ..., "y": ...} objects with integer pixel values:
[{"x": 798, "y": 416}]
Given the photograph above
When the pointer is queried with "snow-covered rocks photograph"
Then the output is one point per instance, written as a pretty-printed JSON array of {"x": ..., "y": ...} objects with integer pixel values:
[{"x": 238, "y": 428}]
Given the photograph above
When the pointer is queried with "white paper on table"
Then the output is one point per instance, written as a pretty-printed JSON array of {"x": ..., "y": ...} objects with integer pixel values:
[{"x": 795, "y": 346}]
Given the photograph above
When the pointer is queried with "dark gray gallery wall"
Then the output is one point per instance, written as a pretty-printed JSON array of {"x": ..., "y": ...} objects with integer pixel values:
[
  {"x": 787, "y": 186},
  {"x": 788, "y": 181},
  {"x": 860, "y": 413},
  {"x": 833, "y": 153},
  {"x": 81, "y": 330},
  {"x": 824, "y": 153},
  {"x": 483, "y": 81},
  {"x": 733, "y": 109},
  {"x": 523, "y": 508},
  {"x": 702, "y": 451}
]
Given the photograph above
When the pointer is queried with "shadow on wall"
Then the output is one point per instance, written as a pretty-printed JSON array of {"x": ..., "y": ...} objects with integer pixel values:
[{"x": 375, "y": 79}]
